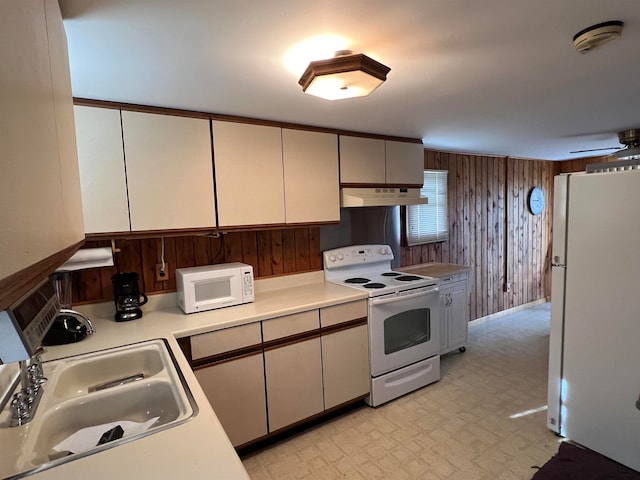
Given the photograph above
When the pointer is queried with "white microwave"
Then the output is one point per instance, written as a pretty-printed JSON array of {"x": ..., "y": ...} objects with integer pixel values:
[{"x": 214, "y": 286}]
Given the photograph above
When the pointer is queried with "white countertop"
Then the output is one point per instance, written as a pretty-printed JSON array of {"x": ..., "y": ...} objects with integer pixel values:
[{"x": 199, "y": 448}]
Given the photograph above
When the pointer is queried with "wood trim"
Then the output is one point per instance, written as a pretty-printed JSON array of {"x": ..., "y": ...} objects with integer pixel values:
[
  {"x": 291, "y": 339},
  {"x": 16, "y": 285},
  {"x": 229, "y": 356},
  {"x": 87, "y": 102},
  {"x": 185, "y": 346},
  {"x": 141, "y": 234},
  {"x": 379, "y": 185},
  {"x": 339, "y": 327}
]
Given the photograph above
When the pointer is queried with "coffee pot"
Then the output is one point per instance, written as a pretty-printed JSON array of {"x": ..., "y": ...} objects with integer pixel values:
[{"x": 127, "y": 296}]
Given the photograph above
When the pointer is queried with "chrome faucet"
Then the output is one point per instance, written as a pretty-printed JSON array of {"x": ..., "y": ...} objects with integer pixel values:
[{"x": 25, "y": 402}]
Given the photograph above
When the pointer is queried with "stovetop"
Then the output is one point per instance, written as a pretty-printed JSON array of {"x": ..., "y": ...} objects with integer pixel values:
[{"x": 368, "y": 268}]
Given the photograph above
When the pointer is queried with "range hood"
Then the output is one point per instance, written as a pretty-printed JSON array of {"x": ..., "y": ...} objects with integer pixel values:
[{"x": 380, "y": 197}]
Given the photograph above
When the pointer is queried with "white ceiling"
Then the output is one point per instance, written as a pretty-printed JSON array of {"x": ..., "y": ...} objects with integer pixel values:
[{"x": 496, "y": 77}]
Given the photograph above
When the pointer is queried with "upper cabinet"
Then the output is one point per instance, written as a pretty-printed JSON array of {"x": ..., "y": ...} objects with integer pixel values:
[
  {"x": 249, "y": 180},
  {"x": 268, "y": 176},
  {"x": 102, "y": 173},
  {"x": 144, "y": 171},
  {"x": 41, "y": 213},
  {"x": 312, "y": 192},
  {"x": 169, "y": 171},
  {"x": 371, "y": 161}
]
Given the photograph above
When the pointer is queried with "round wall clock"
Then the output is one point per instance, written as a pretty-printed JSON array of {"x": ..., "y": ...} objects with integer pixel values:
[{"x": 536, "y": 200}]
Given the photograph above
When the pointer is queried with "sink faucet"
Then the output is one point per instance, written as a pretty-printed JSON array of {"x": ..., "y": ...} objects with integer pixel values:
[{"x": 25, "y": 402}]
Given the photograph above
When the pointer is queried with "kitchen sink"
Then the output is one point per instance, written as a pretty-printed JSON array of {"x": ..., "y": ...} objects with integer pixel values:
[{"x": 134, "y": 383}]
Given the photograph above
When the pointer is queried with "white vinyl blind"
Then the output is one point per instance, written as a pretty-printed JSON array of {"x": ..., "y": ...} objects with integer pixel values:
[{"x": 429, "y": 223}]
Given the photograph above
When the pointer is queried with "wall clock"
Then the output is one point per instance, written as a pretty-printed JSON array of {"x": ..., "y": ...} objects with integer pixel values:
[{"x": 536, "y": 200}]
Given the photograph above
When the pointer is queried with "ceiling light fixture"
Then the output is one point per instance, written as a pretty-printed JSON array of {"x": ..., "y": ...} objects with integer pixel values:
[
  {"x": 595, "y": 35},
  {"x": 346, "y": 75}
]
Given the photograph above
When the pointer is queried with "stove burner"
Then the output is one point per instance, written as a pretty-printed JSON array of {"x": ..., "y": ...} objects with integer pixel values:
[
  {"x": 374, "y": 285},
  {"x": 357, "y": 280},
  {"x": 390, "y": 274},
  {"x": 407, "y": 278}
]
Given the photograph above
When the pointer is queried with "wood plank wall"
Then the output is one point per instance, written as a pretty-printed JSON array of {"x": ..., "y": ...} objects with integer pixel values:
[
  {"x": 270, "y": 252},
  {"x": 491, "y": 229}
]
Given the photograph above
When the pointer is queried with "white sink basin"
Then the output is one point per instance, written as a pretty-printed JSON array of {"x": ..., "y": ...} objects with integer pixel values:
[{"x": 134, "y": 383}]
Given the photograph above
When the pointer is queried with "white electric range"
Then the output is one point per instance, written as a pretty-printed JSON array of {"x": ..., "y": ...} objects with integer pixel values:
[{"x": 404, "y": 319}]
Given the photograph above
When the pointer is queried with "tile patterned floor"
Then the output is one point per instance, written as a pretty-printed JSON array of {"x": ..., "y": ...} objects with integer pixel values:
[{"x": 472, "y": 424}]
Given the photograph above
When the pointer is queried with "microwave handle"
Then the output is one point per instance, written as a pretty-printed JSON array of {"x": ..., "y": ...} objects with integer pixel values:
[{"x": 401, "y": 298}]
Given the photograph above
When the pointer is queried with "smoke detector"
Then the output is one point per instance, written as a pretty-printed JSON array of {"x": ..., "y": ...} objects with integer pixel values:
[{"x": 595, "y": 35}]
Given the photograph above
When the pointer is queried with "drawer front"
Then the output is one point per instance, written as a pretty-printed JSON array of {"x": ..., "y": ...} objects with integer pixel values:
[
  {"x": 343, "y": 313},
  {"x": 290, "y": 325},
  {"x": 229, "y": 339},
  {"x": 454, "y": 277}
]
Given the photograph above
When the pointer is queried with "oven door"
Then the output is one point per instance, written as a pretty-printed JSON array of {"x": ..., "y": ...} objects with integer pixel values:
[{"x": 404, "y": 328}]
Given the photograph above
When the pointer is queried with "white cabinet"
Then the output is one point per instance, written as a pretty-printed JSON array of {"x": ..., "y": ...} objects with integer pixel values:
[
  {"x": 293, "y": 371},
  {"x": 362, "y": 160},
  {"x": 345, "y": 352},
  {"x": 267, "y": 175},
  {"x": 41, "y": 212},
  {"x": 143, "y": 171},
  {"x": 169, "y": 171},
  {"x": 249, "y": 178},
  {"x": 405, "y": 163},
  {"x": 102, "y": 171},
  {"x": 234, "y": 384},
  {"x": 312, "y": 190},
  {"x": 382, "y": 162},
  {"x": 454, "y": 306}
]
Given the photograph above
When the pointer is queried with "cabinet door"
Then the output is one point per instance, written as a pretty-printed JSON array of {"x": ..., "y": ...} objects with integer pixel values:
[
  {"x": 169, "y": 171},
  {"x": 312, "y": 190},
  {"x": 404, "y": 163},
  {"x": 362, "y": 160},
  {"x": 294, "y": 382},
  {"x": 458, "y": 315},
  {"x": 235, "y": 390},
  {"x": 249, "y": 178},
  {"x": 39, "y": 187},
  {"x": 102, "y": 174},
  {"x": 345, "y": 365}
]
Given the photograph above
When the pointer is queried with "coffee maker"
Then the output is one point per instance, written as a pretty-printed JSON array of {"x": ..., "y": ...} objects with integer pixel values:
[{"x": 127, "y": 296}]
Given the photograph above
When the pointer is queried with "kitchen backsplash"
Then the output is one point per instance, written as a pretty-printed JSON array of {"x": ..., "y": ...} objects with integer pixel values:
[{"x": 270, "y": 252}]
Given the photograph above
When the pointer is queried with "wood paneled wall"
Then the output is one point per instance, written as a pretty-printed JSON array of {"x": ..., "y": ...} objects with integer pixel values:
[
  {"x": 270, "y": 252},
  {"x": 491, "y": 229}
]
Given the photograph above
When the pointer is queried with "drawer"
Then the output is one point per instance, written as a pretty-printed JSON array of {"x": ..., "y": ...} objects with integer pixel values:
[
  {"x": 343, "y": 313},
  {"x": 290, "y": 325},
  {"x": 229, "y": 339},
  {"x": 453, "y": 277}
]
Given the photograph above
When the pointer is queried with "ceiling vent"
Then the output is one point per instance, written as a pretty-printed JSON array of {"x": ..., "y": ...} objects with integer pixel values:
[{"x": 595, "y": 35}]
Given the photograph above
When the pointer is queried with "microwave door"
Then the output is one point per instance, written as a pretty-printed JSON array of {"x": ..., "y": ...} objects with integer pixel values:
[{"x": 214, "y": 291}]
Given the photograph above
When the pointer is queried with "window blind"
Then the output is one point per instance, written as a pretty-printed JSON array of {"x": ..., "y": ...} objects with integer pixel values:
[{"x": 429, "y": 223}]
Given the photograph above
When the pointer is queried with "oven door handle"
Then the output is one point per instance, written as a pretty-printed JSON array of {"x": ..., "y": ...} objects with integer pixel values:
[{"x": 401, "y": 298}]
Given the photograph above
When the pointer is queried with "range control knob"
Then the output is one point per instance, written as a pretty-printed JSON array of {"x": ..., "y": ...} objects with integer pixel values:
[
  {"x": 384, "y": 251},
  {"x": 332, "y": 258},
  {"x": 340, "y": 256}
]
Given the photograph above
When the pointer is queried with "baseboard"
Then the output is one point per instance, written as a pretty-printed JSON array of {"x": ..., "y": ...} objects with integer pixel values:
[{"x": 509, "y": 311}]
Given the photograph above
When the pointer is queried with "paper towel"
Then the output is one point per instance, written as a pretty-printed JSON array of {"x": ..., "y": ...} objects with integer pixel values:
[{"x": 89, "y": 258}]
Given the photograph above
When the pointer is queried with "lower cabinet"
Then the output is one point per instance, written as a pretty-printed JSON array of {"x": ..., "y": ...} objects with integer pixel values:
[
  {"x": 294, "y": 383},
  {"x": 345, "y": 353},
  {"x": 454, "y": 305},
  {"x": 235, "y": 389},
  {"x": 263, "y": 377}
]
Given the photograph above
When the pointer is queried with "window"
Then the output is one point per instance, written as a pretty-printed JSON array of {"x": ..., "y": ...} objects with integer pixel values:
[{"x": 429, "y": 223}]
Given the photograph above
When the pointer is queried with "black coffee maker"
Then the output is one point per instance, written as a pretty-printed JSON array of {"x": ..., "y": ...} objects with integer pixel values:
[{"x": 127, "y": 296}]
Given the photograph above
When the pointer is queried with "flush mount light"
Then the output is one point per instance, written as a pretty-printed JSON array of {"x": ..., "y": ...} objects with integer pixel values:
[
  {"x": 346, "y": 75},
  {"x": 595, "y": 35}
]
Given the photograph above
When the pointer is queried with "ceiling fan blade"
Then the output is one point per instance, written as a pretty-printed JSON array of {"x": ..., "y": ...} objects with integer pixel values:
[{"x": 596, "y": 149}]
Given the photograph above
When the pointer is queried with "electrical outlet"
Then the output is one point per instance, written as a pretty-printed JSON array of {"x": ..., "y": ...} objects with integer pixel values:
[
  {"x": 507, "y": 287},
  {"x": 162, "y": 276}
]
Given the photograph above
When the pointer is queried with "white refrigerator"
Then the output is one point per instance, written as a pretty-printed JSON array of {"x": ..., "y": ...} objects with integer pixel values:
[{"x": 594, "y": 346}]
